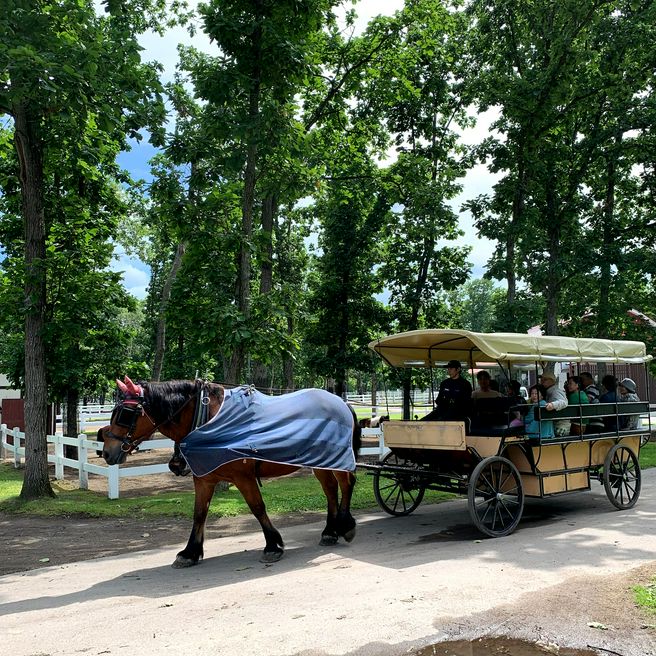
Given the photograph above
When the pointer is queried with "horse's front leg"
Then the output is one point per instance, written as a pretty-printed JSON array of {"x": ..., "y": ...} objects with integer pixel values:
[
  {"x": 249, "y": 489},
  {"x": 192, "y": 554}
]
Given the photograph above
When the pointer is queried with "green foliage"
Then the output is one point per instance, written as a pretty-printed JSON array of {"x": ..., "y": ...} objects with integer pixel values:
[
  {"x": 570, "y": 81},
  {"x": 473, "y": 306},
  {"x": 418, "y": 95}
]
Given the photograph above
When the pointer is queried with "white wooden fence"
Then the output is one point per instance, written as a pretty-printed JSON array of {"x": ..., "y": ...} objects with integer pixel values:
[
  {"x": 113, "y": 473},
  {"x": 391, "y": 399}
]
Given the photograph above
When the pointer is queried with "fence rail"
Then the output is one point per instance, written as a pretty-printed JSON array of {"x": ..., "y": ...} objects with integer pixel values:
[
  {"x": 113, "y": 473},
  {"x": 391, "y": 398}
]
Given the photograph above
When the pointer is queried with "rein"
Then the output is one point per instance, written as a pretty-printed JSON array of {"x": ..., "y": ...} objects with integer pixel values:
[{"x": 136, "y": 407}]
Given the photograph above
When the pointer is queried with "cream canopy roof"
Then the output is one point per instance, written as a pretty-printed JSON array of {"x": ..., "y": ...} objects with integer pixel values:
[{"x": 425, "y": 348}]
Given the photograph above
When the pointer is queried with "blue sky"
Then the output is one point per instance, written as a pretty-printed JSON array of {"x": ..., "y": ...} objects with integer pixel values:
[{"x": 164, "y": 50}]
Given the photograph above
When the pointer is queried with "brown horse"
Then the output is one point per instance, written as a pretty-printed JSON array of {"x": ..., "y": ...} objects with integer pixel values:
[{"x": 173, "y": 408}]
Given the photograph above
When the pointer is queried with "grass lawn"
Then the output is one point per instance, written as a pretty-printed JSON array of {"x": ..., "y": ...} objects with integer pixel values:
[
  {"x": 645, "y": 595},
  {"x": 281, "y": 495}
]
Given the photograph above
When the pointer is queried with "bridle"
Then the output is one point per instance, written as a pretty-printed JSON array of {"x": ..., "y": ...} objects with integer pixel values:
[{"x": 126, "y": 413}]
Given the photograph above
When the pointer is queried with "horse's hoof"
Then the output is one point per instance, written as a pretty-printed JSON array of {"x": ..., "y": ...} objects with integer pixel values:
[
  {"x": 349, "y": 535},
  {"x": 181, "y": 562},
  {"x": 271, "y": 556},
  {"x": 328, "y": 540}
]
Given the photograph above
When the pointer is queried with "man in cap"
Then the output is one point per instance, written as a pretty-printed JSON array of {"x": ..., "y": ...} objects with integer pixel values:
[
  {"x": 454, "y": 398},
  {"x": 556, "y": 400}
]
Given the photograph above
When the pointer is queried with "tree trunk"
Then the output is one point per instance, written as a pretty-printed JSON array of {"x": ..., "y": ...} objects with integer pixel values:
[
  {"x": 248, "y": 197},
  {"x": 232, "y": 367},
  {"x": 607, "y": 246},
  {"x": 552, "y": 289},
  {"x": 518, "y": 205},
  {"x": 29, "y": 149},
  {"x": 160, "y": 340},
  {"x": 287, "y": 360},
  {"x": 269, "y": 209}
]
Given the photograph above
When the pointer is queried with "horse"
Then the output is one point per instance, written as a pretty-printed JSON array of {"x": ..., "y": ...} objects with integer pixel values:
[
  {"x": 176, "y": 407},
  {"x": 377, "y": 422},
  {"x": 373, "y": 422}
]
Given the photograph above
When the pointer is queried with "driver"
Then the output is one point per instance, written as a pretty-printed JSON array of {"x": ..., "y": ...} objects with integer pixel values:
[{"x": 454, "y": 397}]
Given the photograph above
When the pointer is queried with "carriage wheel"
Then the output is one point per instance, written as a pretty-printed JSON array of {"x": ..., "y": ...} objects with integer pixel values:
[
  {"x": 398, "y": 493},
  {"x": 495, "y": 496},
  {"x": 622, "y": 477}
]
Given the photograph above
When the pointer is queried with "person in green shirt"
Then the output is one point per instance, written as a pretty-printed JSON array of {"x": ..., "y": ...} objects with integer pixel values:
[{"x": 576, "y": 396}]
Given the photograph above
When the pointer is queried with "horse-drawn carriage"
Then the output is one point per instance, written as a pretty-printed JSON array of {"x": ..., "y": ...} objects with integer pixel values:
[{"x": 488, "y": 456}]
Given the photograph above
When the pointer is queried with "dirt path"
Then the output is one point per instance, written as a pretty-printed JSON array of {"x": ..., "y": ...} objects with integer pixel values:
[{"x": 563, "y": 578}]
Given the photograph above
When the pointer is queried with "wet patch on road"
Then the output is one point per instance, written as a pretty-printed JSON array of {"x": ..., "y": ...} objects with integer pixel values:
[{"x": 498, "y": 647}]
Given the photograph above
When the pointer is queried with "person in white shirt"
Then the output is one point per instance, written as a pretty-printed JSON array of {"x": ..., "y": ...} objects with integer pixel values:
[{"x": 556, "y": 400}]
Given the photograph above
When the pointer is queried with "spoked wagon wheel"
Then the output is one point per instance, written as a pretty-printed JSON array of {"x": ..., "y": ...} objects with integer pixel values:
[
  {"x": 495, "y": 496},
  {"x": 398, "y": 493},
  {"x": 622, "y": 477}
]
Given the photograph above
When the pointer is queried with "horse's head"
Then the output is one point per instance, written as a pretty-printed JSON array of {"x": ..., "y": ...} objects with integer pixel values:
[{"x": 130, "y": 424}]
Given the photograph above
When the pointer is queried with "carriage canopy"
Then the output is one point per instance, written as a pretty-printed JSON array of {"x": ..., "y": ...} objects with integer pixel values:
[{"x": 434, "y": 347}]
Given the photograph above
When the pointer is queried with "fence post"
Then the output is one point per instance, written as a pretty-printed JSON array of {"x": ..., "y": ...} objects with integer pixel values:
[
  {"x": 82, "y": 457},
  {"x": 4, "y": 450},
  {"x": 83, "y": 421},
  {"x": 59, "y": 457},
  {"x": 112, "y": 482},
  {"x": 17, "y": 439}
]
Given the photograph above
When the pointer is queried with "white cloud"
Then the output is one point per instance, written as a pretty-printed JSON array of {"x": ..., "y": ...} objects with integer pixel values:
[{"x": 136, "y": 275}]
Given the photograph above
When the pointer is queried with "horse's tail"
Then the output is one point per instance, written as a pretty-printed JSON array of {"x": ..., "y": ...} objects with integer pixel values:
[{"x": 357, "y": 432}]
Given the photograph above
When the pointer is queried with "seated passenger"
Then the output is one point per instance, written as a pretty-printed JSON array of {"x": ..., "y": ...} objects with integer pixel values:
[
  {"x": 514, "y": 392},
  {"x": 576, "y": 396},
  {"x": 626, "y": 391},
  {"x": 535, "y": 428},
  {"x": 484, "y": 390},
  {"x": 589, "y": 387},
  {"x": 596, "y": 424},
  {"x": 556, "y": 400},
  {"x": 609, "y": 385}
]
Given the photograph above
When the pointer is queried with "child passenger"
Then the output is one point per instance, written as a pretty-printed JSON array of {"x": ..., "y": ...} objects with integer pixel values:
[
  {"x": 535, "y": 428},
  {"x": 626, "y": 391}
]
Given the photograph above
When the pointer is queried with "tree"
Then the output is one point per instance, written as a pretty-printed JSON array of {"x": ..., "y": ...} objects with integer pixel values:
[
  {"x": 64, "y": 68},
  {"x": 566, "y": 77},
  {"x": 351, "y": 212},
  {"x": 265, "y": 55}
]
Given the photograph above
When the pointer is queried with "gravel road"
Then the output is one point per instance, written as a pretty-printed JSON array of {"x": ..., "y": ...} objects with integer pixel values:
[{"x": 402, "y": 584}]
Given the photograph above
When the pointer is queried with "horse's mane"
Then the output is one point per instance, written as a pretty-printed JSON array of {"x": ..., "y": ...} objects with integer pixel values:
[{"x": 166, "y": 398}]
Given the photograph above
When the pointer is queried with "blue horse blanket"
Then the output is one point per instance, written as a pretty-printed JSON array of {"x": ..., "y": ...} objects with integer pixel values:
[{"x": 309, "y": 428}]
